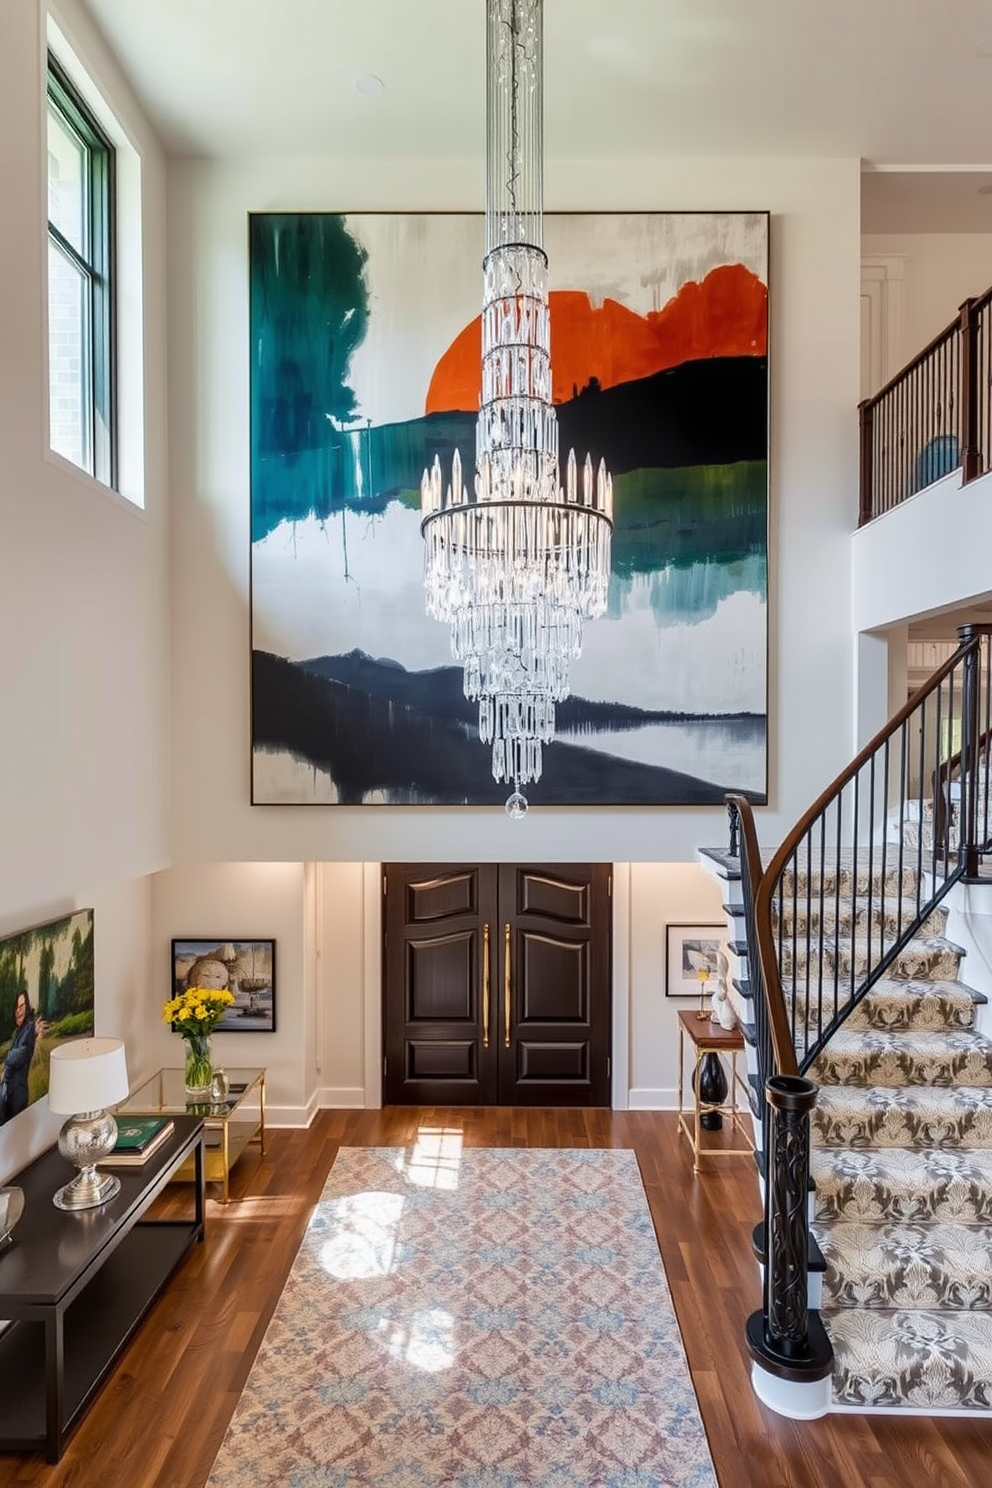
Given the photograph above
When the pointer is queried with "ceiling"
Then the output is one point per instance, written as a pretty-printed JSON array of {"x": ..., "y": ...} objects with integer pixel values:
[{"x": 896, "y": 82}]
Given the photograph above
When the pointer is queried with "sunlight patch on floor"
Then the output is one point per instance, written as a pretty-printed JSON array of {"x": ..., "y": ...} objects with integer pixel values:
[
  {"x": 425, "y": 1341},
  {"x": 436, "y": 1157},
  {"x": 364, "y": 1244}
]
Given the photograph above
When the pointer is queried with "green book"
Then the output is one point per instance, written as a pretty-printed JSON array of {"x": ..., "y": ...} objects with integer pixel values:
[{"x": 134, "y": 1133}]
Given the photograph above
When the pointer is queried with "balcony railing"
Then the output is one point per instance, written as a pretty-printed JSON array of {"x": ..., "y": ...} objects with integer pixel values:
[{"x": 932, "y": 417}]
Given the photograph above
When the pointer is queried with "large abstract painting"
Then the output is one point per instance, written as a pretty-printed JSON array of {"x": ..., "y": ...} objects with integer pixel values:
[
  {"x": 46, "y": 997},
  {"x": 365, "y": 351}
]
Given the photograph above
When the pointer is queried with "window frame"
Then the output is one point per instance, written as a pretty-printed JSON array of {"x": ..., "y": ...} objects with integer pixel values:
[{"x": 96, "y": 266}]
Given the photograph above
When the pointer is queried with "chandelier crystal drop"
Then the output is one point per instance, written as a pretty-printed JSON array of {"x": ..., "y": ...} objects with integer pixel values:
[{"x": 517, "y": 560}]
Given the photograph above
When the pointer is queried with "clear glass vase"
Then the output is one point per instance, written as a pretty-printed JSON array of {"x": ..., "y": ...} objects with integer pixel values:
[{"x": 199, "y": 1067}]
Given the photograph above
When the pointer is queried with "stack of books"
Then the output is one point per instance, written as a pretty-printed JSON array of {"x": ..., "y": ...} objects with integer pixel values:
[{"x": 137, "y": 1138}]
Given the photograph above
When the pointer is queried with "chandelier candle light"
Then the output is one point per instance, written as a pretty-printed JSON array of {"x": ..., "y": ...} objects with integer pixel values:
[{"x": 516, "y": 561}]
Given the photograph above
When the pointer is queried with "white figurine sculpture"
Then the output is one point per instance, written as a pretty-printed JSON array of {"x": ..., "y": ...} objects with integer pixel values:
[{"x": 723, "y": 1011}]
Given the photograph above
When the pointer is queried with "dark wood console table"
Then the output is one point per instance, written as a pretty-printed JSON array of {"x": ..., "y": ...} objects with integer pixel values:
[{"x": 75, "y": 1286}]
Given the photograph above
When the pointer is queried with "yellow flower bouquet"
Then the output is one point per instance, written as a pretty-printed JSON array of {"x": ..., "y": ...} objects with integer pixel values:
[{"x": 194, "y": 1014}]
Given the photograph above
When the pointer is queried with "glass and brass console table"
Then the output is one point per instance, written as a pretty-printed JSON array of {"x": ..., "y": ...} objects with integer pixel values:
[{"x": 229, "y": 1125}]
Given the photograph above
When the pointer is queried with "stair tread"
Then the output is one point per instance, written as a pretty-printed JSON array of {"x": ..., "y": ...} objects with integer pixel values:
[
  {"x": 902, "y": 1184},
  {"x": 883, "y": 1117},
  {"x": 910, "y": 986},
  {"x": 941, "y": 1099},
  {"x": 928, "y": 942},
  {"x": 729, "y": 865},
  {"x": 903, "y": 907},
  {"x": 879, "y": 1057},
  {"x": 923, "y": 1040},
  {"x": 907, "y": 1265},
  {"x": 927, "y": 1359}
]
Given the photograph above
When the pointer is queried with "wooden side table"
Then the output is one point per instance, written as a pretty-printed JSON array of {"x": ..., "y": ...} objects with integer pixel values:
[
  {"x": 707, "y": 1037},
  {"x": 77, "y": 1285}
]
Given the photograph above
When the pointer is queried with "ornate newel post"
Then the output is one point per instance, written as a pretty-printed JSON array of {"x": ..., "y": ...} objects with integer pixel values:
[{"x": 791, "y": 1352}]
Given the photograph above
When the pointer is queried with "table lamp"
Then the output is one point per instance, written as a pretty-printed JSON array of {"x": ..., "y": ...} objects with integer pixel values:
[{"x": 85, "y": 1076}]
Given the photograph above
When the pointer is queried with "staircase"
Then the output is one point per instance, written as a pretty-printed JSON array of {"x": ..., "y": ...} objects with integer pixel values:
[
  {"x": 901, "y": 1145},
  {"x": 870, "y": 1076},
  {"x": 902, "y": 1162}
]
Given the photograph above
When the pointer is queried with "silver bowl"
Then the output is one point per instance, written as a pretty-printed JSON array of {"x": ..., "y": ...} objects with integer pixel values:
[{"x": 11, "y": 1209}]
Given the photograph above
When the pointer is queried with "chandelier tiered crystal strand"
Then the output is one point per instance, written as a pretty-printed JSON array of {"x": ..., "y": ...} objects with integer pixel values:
[{"x": 515, "y": 562}]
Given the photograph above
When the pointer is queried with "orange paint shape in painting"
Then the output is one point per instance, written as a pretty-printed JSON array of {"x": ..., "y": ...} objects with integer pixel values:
[{"x": 724, "y": 314}]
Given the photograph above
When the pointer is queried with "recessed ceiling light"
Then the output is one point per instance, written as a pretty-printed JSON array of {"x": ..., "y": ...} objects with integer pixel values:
[{"x": 369, "y": 85}]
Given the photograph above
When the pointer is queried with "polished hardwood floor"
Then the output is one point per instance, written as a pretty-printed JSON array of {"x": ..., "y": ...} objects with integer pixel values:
[{"x": 160, "y": 1418}]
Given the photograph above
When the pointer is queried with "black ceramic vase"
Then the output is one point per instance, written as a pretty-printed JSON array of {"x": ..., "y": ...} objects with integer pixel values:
[{"x": 710, "y": 1084}]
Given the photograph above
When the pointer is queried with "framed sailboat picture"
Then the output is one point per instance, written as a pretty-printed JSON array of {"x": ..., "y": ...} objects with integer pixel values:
[{"x": 245, "y": 967}]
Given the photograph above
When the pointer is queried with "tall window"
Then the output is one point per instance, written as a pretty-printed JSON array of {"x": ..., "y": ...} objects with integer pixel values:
[{"x": 80, "y": 283}]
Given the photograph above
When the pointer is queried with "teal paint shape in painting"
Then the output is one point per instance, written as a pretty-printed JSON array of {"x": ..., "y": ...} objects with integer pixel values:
[{"x": 309, "y": 313}]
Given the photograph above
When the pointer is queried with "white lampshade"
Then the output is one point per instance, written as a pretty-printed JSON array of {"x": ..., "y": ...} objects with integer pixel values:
[{"x": 87, "y": 1075}]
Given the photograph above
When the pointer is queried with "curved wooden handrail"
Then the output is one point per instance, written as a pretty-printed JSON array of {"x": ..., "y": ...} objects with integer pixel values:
[
  {"x": 766, "y": 880},
  {"x": 947, "y": 334},
  {"x": 861, "y": 759},
  {"x": 778, "y": 1021}
]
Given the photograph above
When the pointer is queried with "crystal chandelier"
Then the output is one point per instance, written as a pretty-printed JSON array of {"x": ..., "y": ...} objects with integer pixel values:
[{"x": 515, "y": 561}]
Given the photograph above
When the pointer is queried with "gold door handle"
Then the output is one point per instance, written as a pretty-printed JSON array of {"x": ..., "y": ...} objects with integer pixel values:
[
  {"x": 485, "y": 987},
  {"x": 507, "y": 980}
]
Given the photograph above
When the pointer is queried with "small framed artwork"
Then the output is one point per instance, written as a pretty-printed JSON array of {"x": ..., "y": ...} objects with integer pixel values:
[
  {"x": 245, "y": 967},
  {"x": 692, "y": 959}
]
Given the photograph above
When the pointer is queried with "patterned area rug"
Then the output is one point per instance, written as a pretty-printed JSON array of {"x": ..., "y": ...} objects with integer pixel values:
[{"x": 473, "y": 1319}]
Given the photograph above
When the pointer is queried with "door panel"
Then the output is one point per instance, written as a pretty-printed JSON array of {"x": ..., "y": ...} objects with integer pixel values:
[
  {"x": 439, "y": 978},
  {"x": 559, "y": 919},
  {"x": 554, "y": 981},
  {"x": 439, "y": 897},
  {"x": 434, "y": 1059},
  {"x": 547, "y": 1061},
  {"x": 552, "y": 898},
  {"x": 496, "y": 984},
  {"x": 435, "y": 966}
]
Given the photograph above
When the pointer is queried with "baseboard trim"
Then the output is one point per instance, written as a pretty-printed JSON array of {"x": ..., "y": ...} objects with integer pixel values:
[
  {"x": 343, "y": 1098},
  {"x": 340, "y": 1097},
  {"x": 646, "y": 1099}
]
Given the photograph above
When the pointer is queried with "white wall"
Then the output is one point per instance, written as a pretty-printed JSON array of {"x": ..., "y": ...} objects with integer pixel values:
[
  {"x": 935, "y": 569},
  {"x": 815, "y": 267},
  {"x": 239, "y": 901},
  {"x": 940, "y": 270},
  {"x": 83, "y": 599}
]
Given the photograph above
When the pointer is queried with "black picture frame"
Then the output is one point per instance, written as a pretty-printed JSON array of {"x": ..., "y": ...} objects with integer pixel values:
[
  {"x": 246, "y": 967},
  {"x": 688, "y": 949}
]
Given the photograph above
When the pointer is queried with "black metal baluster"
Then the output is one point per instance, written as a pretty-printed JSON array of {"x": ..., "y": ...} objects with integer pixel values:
[
  {"x": 871, "y": 857},
  {"x": 883, "y": 947},
  {"x": 919, "y": 835},
  {"x": 940, "y": 757}
]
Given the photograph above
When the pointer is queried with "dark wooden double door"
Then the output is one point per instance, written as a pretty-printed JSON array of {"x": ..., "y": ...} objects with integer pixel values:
[{"x": 497, "y": 984}]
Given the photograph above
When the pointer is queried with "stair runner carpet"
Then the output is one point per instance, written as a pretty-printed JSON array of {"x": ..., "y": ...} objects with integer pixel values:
[{"x": 902, "y": 1163}]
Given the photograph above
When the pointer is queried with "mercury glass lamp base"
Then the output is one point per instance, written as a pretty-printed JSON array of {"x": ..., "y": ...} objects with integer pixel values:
[
  {"x": 85, "y": 1140},
  {"x": 87, "y": 1190}
]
